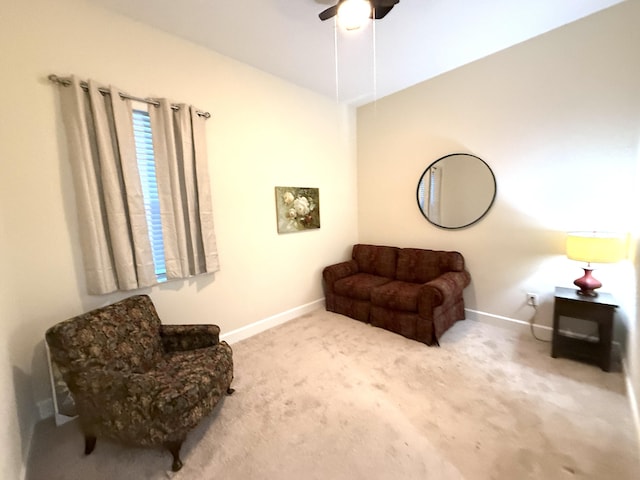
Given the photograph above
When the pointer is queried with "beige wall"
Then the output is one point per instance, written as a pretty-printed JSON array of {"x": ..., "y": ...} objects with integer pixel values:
[
  {"x": 558, "y": 120},
  {"x": 263, "y": 133}
]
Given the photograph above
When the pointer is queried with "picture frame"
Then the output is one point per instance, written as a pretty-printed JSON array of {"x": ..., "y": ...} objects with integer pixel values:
[{"x": 297, "y": 209}]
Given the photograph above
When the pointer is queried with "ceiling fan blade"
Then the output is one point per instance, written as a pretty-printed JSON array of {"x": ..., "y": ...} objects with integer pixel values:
[
  {"x": 380, "y": 9},
  {"x": 381, "y": 12},
  {"x": 329, "y": 12}
]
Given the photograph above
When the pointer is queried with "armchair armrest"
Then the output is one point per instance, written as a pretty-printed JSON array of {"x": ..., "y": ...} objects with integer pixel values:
[
  {"x": 333, "y": 273},
  {"x": 447, "y": 286},
  {"x": 188, "y": 337}
]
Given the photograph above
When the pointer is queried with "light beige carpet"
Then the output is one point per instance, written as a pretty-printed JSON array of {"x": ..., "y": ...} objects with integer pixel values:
[{"x": 329, "y": 398}]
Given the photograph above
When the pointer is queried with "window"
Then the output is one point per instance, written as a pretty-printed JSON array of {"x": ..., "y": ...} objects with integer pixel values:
[{"x": 147, "y": 168}]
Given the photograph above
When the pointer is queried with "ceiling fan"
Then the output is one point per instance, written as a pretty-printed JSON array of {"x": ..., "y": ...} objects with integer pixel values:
[{"x": 380, "y": 8}]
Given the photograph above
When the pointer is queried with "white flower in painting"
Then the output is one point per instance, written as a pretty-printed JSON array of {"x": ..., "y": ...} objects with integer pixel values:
[
  {"x": 301, "y": 206},
  {"x": 287, "y": 198},
  {"x": 312, "y": 206},
  {"x": 291, "y": 213}
]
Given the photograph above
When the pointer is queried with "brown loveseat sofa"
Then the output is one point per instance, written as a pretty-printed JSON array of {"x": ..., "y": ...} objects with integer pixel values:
[
  {"x": 414, "y": 292},
  {"x": 136, "y": 380}
]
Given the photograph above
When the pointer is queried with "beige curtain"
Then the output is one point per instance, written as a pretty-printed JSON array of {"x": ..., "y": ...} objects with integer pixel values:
[
  {"x": 179, "y": 144},
  {"x": 113, "y": 228}
]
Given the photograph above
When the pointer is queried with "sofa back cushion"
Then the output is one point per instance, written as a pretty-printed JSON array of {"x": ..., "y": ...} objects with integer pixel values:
[
  {"x": 376, "y": 259},
  {"x": 121, "y": 336},
  {"x": 420, "y": 266}
]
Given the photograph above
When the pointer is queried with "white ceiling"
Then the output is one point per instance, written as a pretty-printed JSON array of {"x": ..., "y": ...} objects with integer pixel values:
[{"x": 417, "y": 40}]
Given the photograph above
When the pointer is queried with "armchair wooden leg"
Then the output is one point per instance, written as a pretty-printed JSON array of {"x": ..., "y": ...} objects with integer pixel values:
[
  {"x": 89, "y": 444},
  {"x": 174, "y": 448},
  {"x": 230, "y": 391}
]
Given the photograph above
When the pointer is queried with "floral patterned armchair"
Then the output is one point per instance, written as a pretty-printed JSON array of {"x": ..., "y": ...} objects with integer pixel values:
[{"x": 137, "y": 381}]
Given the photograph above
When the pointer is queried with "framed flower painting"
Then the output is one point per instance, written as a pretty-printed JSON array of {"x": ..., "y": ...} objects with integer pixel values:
[{"x": 297, "y": 209}]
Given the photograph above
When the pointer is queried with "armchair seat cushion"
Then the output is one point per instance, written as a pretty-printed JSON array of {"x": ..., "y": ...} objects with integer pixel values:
[
  {"x": 397, "y": 295},
  {"x": 191, "y": 380},
  {"x": 359, "y": 286}
]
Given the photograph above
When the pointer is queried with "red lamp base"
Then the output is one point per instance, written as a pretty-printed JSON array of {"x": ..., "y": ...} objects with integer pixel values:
[{"x": 587, "y": 284}]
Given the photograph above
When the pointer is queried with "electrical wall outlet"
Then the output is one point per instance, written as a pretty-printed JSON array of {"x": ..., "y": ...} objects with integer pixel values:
[{"x": 532, "y": 299}]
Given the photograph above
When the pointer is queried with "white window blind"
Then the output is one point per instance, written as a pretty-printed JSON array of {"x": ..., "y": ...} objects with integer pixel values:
[{"x": 147, "y": 168}]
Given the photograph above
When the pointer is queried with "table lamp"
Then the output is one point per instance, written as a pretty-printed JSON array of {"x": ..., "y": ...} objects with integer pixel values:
[{"x": 593, "y": 247}]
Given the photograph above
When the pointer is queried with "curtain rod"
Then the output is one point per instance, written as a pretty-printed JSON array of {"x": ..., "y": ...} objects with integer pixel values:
[{"x": 85, "y": 86}]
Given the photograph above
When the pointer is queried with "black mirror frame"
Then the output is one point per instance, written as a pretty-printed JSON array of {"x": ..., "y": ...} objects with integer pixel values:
[{"x": 481, "y": 216}]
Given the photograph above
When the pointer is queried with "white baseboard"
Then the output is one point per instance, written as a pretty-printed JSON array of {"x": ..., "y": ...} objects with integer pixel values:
[
  {"x": 270, "y": 322},
  {"x": 507, "y": 322},
  {"x": 523, "y": 326},
  {"x": 633, "y": 399}
]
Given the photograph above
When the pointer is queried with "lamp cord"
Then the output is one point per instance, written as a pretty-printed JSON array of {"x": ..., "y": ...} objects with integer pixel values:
[{"x": 532, "y": 323}]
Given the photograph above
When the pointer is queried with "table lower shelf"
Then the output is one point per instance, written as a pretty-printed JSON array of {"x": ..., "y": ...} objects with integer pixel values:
[{"x": 595, "y": 353}]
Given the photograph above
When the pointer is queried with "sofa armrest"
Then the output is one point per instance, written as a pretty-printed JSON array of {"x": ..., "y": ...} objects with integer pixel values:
[
  {"x": 333, "y": 273},
  {"x": 188, "y": 337},
  {"x": 447, "y": 286}
]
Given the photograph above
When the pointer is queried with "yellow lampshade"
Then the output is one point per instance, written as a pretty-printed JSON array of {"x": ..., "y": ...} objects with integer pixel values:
[{"x": 596, "y": 247}]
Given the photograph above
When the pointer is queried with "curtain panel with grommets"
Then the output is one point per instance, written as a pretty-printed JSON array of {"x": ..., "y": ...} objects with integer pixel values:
[{"x": 113, "y": 230}]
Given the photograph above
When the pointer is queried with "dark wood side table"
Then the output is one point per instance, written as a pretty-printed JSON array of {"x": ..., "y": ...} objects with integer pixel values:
[{"x": 598, "y": 309}]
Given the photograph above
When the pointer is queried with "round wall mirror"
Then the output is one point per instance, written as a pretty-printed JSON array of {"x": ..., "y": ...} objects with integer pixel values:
[{"x": 456, "y": 191}]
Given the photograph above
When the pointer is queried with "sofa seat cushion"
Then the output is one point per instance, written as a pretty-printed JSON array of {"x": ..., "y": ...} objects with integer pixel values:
[
  {"x": 397, "y": 295},
  {"x": 359, "y": 286}
]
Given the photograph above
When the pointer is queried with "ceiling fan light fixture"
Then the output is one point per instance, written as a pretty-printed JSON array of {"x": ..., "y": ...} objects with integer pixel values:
[{"x": 352, "y": 14}]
